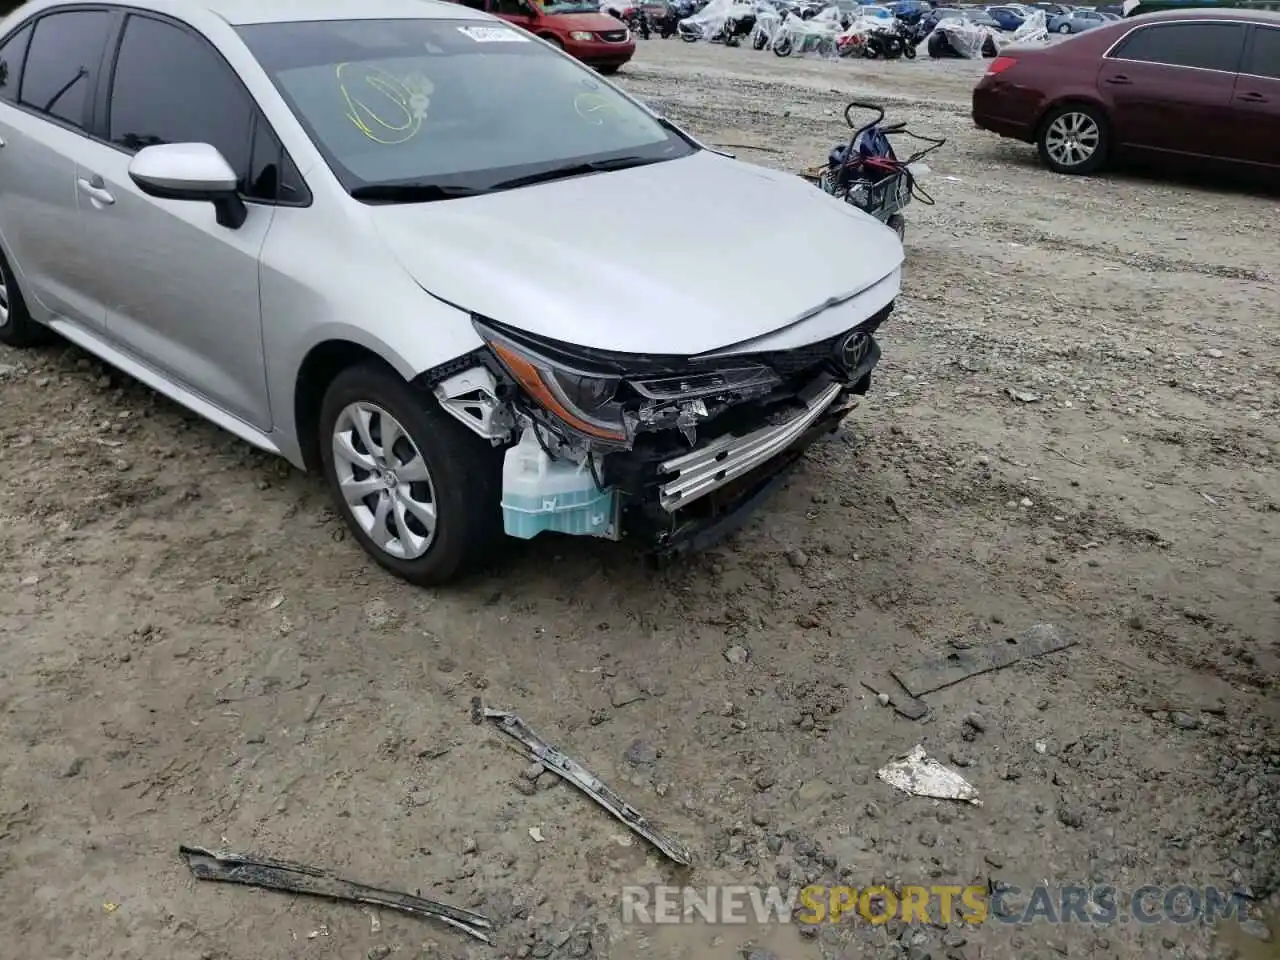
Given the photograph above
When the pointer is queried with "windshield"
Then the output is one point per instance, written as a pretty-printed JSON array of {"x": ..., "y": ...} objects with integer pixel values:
[
  {"x": 450, "y": 103},
  {"x": 569, "y": 6}
]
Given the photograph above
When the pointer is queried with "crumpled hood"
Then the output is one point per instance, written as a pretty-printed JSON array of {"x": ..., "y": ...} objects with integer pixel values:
[{"x": 680, "y": 257}]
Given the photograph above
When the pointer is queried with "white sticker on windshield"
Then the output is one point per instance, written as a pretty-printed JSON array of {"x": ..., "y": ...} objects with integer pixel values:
[{"x": 493, "y": 35}]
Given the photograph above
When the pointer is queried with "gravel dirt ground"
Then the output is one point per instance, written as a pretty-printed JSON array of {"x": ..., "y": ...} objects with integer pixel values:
[{"x": 1075, "y": 422}]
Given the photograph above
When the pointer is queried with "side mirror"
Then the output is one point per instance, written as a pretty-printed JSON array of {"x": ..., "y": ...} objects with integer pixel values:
[{"x": 190, "y": 171}]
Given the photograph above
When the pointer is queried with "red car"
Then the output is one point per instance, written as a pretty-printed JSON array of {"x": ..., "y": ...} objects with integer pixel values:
[
  {"x": 1180, "y": 86},
  {"x": 576, "y": 26}
]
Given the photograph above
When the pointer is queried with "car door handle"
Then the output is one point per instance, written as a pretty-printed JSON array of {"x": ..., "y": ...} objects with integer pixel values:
[
  {"x": 1120, "y": 80},
  {"x": 95, "y": 191},
  {"x": 1252, "y": 97}
]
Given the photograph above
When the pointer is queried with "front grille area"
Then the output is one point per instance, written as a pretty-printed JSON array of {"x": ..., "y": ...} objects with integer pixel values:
[
  {"x": 812, "y": 357},
  {"x": 614, "y": 36}
]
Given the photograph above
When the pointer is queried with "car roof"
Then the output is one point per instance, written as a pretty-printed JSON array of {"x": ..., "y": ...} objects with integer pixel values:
[
  {"x": 241, "y": 12},
  {"x": 1215, "y": 13}
]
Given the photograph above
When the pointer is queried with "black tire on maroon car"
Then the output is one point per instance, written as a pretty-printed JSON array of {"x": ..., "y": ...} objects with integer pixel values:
[
  {"x": 1082, "y": 124},
  {"x": 609, "y": 69}
]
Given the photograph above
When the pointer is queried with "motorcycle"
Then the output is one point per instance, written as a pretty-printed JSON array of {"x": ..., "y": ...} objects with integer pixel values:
[
  {"x": 867, "y": 173},
  {"x": 637, "y": 22},
  {"x": 889, "y": 42}
]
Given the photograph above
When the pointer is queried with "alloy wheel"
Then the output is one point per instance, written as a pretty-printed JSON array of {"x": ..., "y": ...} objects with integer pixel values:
[
  {"x": 384, "y": 480},
  {"x": 1072, "y": 139}
]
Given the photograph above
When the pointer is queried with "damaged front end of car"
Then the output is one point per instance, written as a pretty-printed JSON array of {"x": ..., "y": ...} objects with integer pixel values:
[{"x": 675, "y": 450}]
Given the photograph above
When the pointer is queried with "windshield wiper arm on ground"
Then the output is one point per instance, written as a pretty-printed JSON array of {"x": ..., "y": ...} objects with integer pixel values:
[
  {"x": 573, "y": 170},
  {"x": 413, "y": 192}
]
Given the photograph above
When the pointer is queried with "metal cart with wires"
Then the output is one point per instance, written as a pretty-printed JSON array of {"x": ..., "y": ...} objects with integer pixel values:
[{"x": 867, "y": 172}]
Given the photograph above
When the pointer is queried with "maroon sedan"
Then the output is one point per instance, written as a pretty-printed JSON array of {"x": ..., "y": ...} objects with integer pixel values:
[{"x": 1193, "y": 85}]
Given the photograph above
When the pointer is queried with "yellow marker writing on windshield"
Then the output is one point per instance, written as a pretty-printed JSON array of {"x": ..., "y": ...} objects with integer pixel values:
[
  {"x": 403, "y": 109},
  {"x": 593, "y": 108}
]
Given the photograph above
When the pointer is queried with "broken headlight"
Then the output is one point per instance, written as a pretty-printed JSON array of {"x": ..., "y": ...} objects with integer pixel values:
[
  {"x": 609, "y": 397},
  {"x": 583, "y": 400}
]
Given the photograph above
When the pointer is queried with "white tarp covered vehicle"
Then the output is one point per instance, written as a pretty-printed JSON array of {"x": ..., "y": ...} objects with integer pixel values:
[
  {"x": 813, "y": 37},
  {"x": 768, "y": 20},
  {"x": 709, "y": 22},
  {"x": 853, "y": 40},
  {"x": 973, "y": 41}
]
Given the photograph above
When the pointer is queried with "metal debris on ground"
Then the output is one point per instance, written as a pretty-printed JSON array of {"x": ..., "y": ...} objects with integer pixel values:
[
  {"x": 312, "y": 881},
  {"x": 560, "y": 764},
  {"x": 903, "y": 703},
  {"x": 922, "y": 776},
  {"x": 962, "y": 664}
]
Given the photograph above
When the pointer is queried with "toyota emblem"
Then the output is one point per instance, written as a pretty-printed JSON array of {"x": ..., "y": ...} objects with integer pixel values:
[{"x": 853, "y": 350}]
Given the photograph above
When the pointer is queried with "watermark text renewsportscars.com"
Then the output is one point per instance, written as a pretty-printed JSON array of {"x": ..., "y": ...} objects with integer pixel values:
[{"x": 932, "y": 903}]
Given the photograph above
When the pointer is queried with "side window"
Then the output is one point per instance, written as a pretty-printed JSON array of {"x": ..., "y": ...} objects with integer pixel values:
[
  {"x": 273, "y": 178},
  {"x": 62, "y": 61},
  {"x": 12, "y": 54},
  {"x": 1264, "y": 60},
  {"x": 171, "y": 86},
  {"x": 1208, "y": 46}
]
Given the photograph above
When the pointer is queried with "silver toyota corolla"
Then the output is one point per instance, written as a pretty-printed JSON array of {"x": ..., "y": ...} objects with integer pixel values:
[{"x": 420, "y": 250}]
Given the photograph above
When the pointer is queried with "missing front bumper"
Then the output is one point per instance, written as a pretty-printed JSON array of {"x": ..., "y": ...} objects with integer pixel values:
[
  {"x": 727, "y": 509},
  {"x": 703, "y": 471}
]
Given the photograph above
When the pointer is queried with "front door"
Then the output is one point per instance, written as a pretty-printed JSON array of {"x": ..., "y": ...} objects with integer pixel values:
[
  {"x": 1257, "y": 99},
  {"x": 45, "y": 110},
  {"x": 180, "y": 292},
  {"x": 1168, "y": 87}
]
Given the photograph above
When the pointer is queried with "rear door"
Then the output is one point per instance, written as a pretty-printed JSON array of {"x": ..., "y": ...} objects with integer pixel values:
[
  {"x": 1257, "y": 99},
  {"x": 51, "y": 69},
  {"x": 1168, "y": 87}
]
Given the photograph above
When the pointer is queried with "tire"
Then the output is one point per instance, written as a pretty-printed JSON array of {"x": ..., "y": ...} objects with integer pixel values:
[
  {"x": 17, "y": 329},
  {"x": 463, "y": 478},
  {"x": 1064, "y": 29},
  {"x": 908, "y": 49},
  {"x": 783, "y": 48},
  {"x": 1070, "y": 124},
  {"x": 758, "y": 43},
  {"x": 609, "y": 69},
  {"x": 898, "y": 224},
  {"x": 893, "y": 48}
]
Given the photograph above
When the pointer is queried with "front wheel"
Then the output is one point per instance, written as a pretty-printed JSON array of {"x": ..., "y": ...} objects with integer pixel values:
[
  {"x": 609, "y": 69},
  {"x": 1064, "y": 29},
  {"x": 783, "y": 48},
  {"x": 420, "y": 492},
  {"x": 1073, "y": 139},
  {"x": 758, "y": 42},
  {"x": 908, "y": 49}
]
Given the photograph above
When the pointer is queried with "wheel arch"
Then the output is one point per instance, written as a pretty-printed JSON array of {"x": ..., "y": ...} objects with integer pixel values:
[{"x": 322, "y": 363}]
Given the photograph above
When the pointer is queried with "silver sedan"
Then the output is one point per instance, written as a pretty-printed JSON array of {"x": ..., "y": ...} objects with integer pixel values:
[{"x": 427, "y": 254}]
